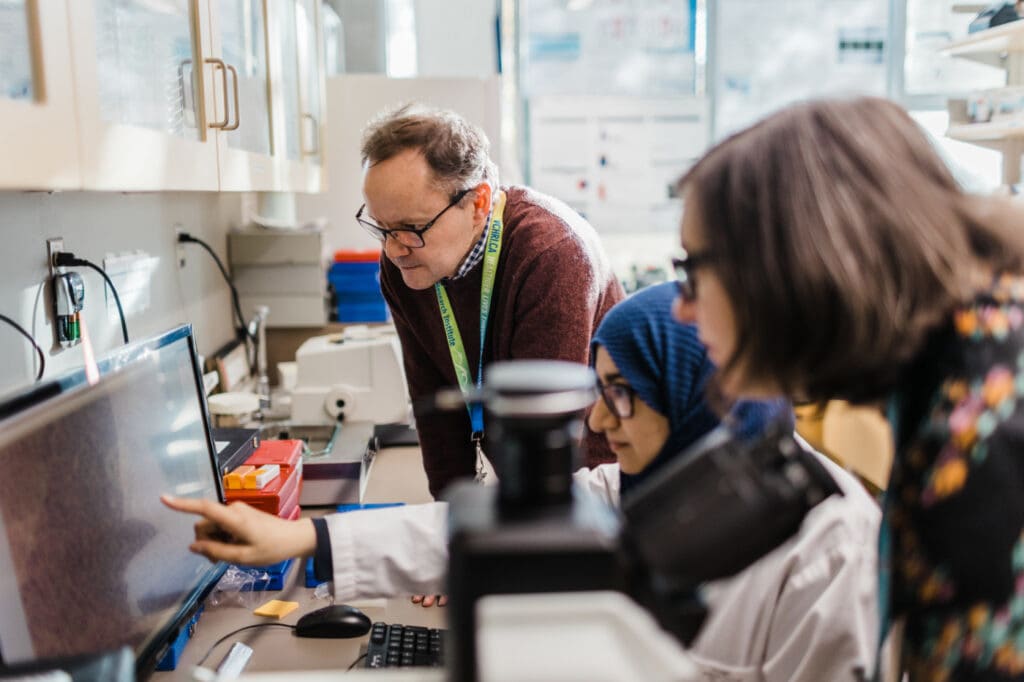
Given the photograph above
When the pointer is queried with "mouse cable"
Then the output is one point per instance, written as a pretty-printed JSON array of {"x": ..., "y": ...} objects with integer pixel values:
[
  {"x": 68, "y": 259},
  {"x": 356, "y": 662},
  {"x": 39, "y": 350},
  {"x": 235, "y": 632}
]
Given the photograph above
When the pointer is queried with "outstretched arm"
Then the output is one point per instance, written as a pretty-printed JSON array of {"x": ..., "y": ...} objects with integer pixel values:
[{"x": 239, "y": 534}]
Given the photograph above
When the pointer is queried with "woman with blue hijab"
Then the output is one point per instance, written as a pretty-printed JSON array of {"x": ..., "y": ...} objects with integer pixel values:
[
  {"x": 664, "y": 364},
  {"x": 806, "y": 611}
]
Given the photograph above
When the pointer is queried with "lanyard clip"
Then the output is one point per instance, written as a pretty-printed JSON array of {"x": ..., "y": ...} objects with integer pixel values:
[{"x": 481, "y": 471}]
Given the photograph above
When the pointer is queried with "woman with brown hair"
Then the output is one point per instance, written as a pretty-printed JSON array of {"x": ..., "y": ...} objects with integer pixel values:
[{"x": 829, "y": 253}]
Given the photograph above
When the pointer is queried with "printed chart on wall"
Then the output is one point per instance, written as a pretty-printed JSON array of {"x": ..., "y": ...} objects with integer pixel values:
[
  {"x": 770, "y": 54},
  {"x": 612, "y": 118},
  {"x": 602, "y": 47},
  {"x": 616, "y": 159}
]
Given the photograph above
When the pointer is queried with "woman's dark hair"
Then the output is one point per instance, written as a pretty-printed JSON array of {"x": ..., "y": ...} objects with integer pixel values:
[{"x": 842, "y": 240}]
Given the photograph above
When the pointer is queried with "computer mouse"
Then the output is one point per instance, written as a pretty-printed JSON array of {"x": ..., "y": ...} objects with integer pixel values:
[{"x": 337, "y": 620}]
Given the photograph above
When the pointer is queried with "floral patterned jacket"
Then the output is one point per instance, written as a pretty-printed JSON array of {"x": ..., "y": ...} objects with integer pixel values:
[{"x": 955, "y": 505}]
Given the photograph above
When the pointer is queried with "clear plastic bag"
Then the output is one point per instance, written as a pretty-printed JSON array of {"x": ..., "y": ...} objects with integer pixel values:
[
  {"x": 324, "y": 591},
  {"x": 239, "y": 587}
]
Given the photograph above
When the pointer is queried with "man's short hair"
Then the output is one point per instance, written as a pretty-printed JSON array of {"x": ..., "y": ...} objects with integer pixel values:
[{"x": 456, "y": 150}]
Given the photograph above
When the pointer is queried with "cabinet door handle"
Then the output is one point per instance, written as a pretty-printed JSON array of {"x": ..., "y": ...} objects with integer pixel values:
[
  {"x": 220, "y": 66},
  {"x": 238, "y": 112},
  {"x": 188, "y": 93},
  {"x": 316, "y": 130}
]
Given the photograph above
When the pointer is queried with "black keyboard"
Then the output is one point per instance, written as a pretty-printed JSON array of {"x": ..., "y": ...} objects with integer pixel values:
[{"x": 404, "y": 646}]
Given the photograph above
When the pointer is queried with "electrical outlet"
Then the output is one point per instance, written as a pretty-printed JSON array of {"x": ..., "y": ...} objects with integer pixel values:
[
  {"x": 53, "y": 246},
  {"x": 179, "y": 247},
  {"x": 67, "y": 293}
]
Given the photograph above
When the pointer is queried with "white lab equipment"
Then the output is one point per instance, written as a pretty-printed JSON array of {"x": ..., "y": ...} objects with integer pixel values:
[
  {"x": 353, "y": 376},
  {"x": 283, "y": 270}
]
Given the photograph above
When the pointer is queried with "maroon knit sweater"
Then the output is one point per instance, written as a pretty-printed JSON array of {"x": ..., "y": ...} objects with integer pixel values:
[{"x": 553, "y": 286}]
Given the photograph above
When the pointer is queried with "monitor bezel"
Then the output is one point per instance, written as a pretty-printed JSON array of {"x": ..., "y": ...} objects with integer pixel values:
[{"x": 153, "y": 648}]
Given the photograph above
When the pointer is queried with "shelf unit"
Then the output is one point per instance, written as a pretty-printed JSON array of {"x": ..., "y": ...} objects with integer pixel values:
[
  {"x": 991, "y": 135},
  {"x": 968, "y": 7},
  {"x": 1002, "y": 47}
]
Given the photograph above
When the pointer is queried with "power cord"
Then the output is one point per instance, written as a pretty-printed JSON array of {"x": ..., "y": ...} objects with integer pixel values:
[
  {"x": 39, "y": 350},
  {"x": 68, "y": 259},
  {"x": 186, "y": 238},
  {"x": 235, "y": 632},
  {"x": 243, "y": 328}
]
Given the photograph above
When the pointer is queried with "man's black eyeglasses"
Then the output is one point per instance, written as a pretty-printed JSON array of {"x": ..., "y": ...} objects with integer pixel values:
[
  {"x": 618, "y": 398},
  {"x": 409, "y": 235},
  {"x": 685, "y": 267}
]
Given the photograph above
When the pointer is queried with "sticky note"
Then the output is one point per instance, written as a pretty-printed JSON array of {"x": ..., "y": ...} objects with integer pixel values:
[
  {"x": 275, "y": 608},
  {"x": 258, "y": 479},
  {"x": 234, "y": 480}
]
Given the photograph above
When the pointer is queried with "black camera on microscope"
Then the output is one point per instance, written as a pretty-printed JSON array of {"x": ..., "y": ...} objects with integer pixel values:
[{"x": 707, "y": 514}]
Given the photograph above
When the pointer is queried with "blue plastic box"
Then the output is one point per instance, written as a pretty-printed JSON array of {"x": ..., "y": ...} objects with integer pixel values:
[
  {"x": 363, "y": 312},
  {"x": 355, "y": 277},
  {"x": 169, "y": 661},
  {"x": 276, "y": 572},
  {"x": 357, "y": 292}
]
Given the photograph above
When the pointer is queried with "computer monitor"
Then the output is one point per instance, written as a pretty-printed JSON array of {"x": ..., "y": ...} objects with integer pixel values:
[{"x": 90, "y": 559}]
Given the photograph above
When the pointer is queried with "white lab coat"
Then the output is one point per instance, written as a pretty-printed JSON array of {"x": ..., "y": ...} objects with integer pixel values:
[{"x": 807, "y": 611}]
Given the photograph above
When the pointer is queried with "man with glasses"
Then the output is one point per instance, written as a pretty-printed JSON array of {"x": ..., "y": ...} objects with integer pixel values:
[{"x": 473, "y": 273}]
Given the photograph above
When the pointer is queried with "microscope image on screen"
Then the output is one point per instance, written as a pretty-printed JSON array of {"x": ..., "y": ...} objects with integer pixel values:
[{"x": 91, "y": 560}]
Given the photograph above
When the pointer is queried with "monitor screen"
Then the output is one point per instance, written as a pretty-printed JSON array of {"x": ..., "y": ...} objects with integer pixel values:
[{"x": 89, "y": 558}]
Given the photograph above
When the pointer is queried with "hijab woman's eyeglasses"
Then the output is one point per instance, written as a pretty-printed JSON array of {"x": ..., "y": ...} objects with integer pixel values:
[{"x": 618, "y": 398}]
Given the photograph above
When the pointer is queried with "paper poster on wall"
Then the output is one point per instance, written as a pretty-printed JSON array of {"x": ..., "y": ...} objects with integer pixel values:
[
  {"x": 615, "y": 160},
  {"x": 601, "y": 47},
  {"x": 768, "y": 55}
]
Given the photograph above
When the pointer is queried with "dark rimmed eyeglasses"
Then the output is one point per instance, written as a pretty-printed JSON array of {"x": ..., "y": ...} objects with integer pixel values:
[
  {"x": 685, "y": 266},
  {"x": 618, "y": 398},
  {"x": 408, "y": 235}
]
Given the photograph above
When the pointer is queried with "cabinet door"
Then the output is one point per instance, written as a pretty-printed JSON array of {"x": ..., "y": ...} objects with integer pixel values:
[
  {"x": 294, "y": 34},
  {"x": 312, "y": 82},
  {"x": 245, "y": 145},
  {"x": 140, "y": 97},
  {"x": 37, "y": 116}
]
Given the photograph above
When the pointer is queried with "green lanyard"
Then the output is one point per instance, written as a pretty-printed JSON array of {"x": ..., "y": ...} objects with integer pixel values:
[{"x": 451, "y": 328}]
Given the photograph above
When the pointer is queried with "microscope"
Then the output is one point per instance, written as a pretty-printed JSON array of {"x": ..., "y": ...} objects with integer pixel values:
[{"x": 709, "y": 513}]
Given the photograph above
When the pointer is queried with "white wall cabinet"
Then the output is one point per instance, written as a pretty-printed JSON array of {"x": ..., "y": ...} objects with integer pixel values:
[
  {"x": 142, "y": 124},
  {"x": 245, "y": 144},
  {"x": 304, "y": 103},
  {"x": 169, "y": 95},
  {"x": 38, "y": 130}
]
